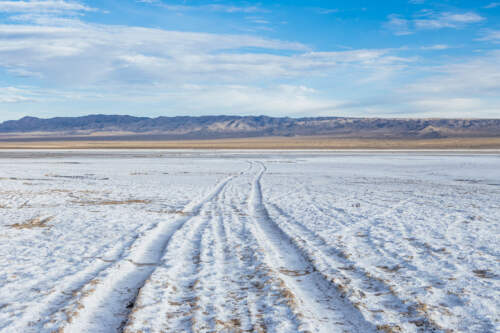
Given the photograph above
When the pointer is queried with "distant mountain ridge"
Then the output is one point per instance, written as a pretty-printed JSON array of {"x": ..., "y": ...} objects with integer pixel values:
[{"x": 212, "y": 127}]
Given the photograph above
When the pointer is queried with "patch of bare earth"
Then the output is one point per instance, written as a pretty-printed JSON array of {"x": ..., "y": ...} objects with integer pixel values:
[
  {"x": 111, "y": 202},
  {"x": 484, "y": 273},
  {"x": 35, "y": 222}
]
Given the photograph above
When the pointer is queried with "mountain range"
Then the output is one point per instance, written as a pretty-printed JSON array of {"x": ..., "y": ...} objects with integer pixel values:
[{"x": 118, "y": 127}]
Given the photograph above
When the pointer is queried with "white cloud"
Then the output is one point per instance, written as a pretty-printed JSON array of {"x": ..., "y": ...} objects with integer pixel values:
[
  {"x": 448, "y": 107},
  {"x": 466, "y": 89},
  {"x": 78, "y": 53},
  {"x": 42, "y": 6},
  {"x": 437, "y": 47},
  {"x": 447, "y": 20},
  {"x": 429, "y": 20},
  {"x": 447, "y": 104},
  {"x": 257, "y": 20},
  {"x": 491, "y": 36},
  {"x": 14, "y": 95},
  {"x": 275, "y": 100},
  {"x": 107, "y": 65},
  {"x": 399, "y": 25},
  {"x": 188, "y": 99},
  {"x": 476, "y": 77},
  {"x": 214, "y": 7},
  {"x": 326, "y": 11},
  {"x": 110, "y": 65},
  {"x": 492, "y": 5},
  {"x": 234, "y": 9}
]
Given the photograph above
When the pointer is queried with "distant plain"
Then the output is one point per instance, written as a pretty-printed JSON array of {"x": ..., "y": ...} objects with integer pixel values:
[{"x": 305, "y": 142}]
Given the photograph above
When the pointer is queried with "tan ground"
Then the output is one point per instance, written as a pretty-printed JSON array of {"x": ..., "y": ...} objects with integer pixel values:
[{"x": 267, "y": 143}]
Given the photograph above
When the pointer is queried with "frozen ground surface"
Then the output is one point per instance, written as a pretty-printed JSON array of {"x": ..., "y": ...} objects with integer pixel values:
[{"x": 153, "y": 241}]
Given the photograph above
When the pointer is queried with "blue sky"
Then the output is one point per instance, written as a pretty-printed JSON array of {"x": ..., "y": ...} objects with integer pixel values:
[{"x": 407, "y": 58}]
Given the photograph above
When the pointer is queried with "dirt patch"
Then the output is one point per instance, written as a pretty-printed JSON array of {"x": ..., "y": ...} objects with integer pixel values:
[
  {"x": 172, "y": 212},
  {"x": 231, "y": 325},
  {"x": 75, "y": 177},
  {"x": 484, "y": 273},
  {"x": 294, "y": 272},
  {"x": 35, "y": 222},
  {"x": 111, "y": 202},
  {"x": 390, "y": 269},
  {"x": 389, "y": 328}
]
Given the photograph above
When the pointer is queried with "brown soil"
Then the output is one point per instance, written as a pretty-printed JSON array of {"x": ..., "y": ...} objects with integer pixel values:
[{"x": 268, "y": 143}]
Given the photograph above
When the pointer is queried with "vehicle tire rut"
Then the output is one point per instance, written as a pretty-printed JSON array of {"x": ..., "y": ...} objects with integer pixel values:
[
  {"x": 321, "y": 306},
  {"x": 106, "y": 304}
]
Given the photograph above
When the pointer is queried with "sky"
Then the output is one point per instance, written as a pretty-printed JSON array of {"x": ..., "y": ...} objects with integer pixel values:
[{"x": 406, "y": 58}]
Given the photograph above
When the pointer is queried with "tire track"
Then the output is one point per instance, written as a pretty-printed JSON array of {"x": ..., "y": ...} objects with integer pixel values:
[
  {"x": 224, "y": 281},
  {"x": 226, "y": 289},
  {"x": 173, "y": 289},
  {"x": 356, "y": 283},
  {"x": 106, "y": 305},
  {"x": 180, "y": 290},
  {"x": 318, "y": 301},
  {"x": 261, "y": 304},
  {"x": 56, "y": 307}
]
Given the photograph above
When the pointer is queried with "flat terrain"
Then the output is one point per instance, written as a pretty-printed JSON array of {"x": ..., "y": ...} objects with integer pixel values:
[
  {"x": 311, "y": 142},
  {"x": 256, "y": 241}
]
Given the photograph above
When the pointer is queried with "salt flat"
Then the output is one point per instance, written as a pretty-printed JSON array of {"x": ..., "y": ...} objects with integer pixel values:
[{"x": 227, "y": 241}]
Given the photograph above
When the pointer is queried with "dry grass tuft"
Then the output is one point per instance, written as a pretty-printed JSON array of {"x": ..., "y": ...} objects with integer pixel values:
[
  {"x": 294, "y": 272},
  {"x": 111, "y": 202},
  {"x": 389, "y": 328},
  {"x": 172, "y": 212},
  {"x": 390, "y": 269},
  {"x": 484, "y": 273},
  {"x": 36, "y": 222},
  {"x": 232, "y": 325}
]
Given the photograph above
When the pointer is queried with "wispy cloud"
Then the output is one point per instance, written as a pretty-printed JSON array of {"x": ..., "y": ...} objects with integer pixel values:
[
  {"x": 492, "y": 5},
  {"x": 241, "y": 99},
  {"x": 15, "y": 95},
  {"x": 447, "y": 20},
  {"x": 437, "y": 47},
  {"x": 326, "y": 11},
  {"x": 214, "y": 7},
  {"x": 232, "y": 73},
  {"x": 77, "y": 53},
  {"x": 490, "y": 36},
  {"x": 429, "y": 20},
  {"x": 477, "y": 77},
  {"x": 257, "y": 20},
  {"x": 43, "y": 6},
  {"x": 399, "y": 25},
  {"x": 181, "y": 72}
]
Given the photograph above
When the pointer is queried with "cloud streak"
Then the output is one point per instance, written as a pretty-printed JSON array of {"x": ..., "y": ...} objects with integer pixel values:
[
  {"x": 14, "y": 95},
  {"x": 429, "y": 20},
  {"x": 490, "y": 36},
  {"x": 80, "y": 53},
  {"x": 190, "y": 72},
  {"x": 209, "y": 7},
  {"x": 47, "y": 6},
  {"x": 118, "y": 68},
  {"x": 492, "y": 5}
]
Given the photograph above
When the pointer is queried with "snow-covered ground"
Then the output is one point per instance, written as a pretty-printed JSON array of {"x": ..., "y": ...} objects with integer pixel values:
[{"x": 163, "y": 241}]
